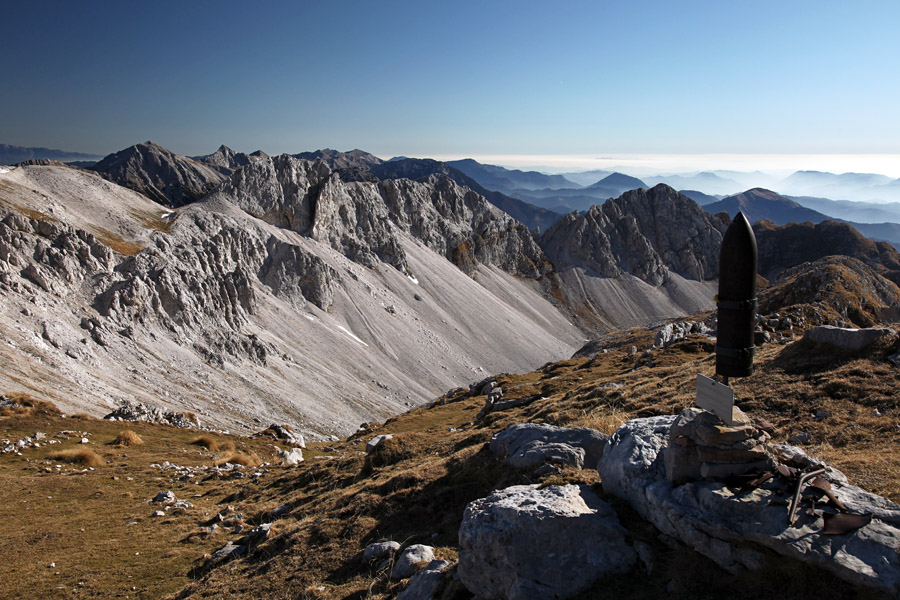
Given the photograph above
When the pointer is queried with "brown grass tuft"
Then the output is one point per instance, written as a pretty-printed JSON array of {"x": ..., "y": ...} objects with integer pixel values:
[
  {"x": 238, "y": 458},
  {"x": 78, "y": 456},
  {"x": 23, "y": 405},
  {"x": 207, "y": 441},
  {"x": 128, "y": 438}
]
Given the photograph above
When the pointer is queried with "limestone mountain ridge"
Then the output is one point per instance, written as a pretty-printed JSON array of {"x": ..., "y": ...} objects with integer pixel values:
[{"x": 289, "y": 292}]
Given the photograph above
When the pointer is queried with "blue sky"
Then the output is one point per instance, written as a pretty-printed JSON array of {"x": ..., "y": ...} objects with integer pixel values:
[{"x": 455, "y": 78}]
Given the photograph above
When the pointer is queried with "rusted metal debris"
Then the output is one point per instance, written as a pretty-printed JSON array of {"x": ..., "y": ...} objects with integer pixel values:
[
  {"x": 817, "y": 496},
  {"x": 792, "y": 518},
  {"x": 841, "y": 523}
]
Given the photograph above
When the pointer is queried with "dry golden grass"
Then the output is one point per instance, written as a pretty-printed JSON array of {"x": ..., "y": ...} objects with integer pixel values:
[
  {"x": 419, "y": 483},
  {"x": 238, "y": 458},
  {"x": 25, "y": 405},
  {"x": 116, "y": 242},
  {"x": 79, "y": 456},
  {"x": 207, "y": 441},
  {"x": 127, "y": 438}
]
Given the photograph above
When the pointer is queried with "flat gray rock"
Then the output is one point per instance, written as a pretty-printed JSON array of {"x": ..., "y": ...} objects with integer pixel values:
[
  {"x": 527, "y": 445},
  {"x": 733, "y": 528},
  {"x": 528, "y": 543},
  {"x": 846, "y": 338}
]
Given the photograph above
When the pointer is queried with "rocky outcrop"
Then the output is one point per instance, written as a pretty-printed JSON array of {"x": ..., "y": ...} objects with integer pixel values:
[
  {"x": 525, "y": 542},
  {"x": 843, "y": 289},
  {"x": 741, "y": 529},
  {"x": 205, "y": 270},
  {"x": 160, "y": 174},
  {"x": 52, "y": 255},
  {"x": 528, "y": 445},
  {"x": 362, "y": 220},
  {"x": 783, "y": 247},
  {"x": 645, "y": 233}
]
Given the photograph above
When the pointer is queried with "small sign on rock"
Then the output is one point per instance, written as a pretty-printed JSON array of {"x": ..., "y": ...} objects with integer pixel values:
[{"x": 715, "y": 397}]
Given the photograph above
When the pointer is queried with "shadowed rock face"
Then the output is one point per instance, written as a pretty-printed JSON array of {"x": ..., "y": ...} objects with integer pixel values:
[
  {"x": 361, "y": 219},
  {"x": 787, "y": 246},
  {"x": 645, "y": 233},
  {"x": 160, "y": 174}
]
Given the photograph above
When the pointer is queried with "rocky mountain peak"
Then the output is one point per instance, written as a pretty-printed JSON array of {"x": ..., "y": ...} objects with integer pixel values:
[
  {"x": 160, "y": 174},
  {"x": 644, "y": 233}
]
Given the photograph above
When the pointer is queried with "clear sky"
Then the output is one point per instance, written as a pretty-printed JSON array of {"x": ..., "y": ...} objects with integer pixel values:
[{"x": 453, "y": 78}]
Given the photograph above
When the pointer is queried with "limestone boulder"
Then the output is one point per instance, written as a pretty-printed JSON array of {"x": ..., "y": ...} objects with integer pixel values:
[
  {"x": 525, "y": 542},
  {"x": 848, "y": 338},
  {"x": 527, "y": 445},
  {"x": 292, "y": 457},
  {"x": 738, "y": 530}
]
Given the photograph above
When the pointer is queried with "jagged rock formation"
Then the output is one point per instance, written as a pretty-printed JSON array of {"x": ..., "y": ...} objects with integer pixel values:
[
  {"x": 342, "y": 160},
  {"x": 226, "y": 160},
  {"x": 160, "y": 174},
  {"x": 213, "y": 311},
  {"x": 362, "y": 220},
  {"x": 420, "y": 168},
  {"x": 642, "y": 257},
  {"x": 645, "y": 233}
]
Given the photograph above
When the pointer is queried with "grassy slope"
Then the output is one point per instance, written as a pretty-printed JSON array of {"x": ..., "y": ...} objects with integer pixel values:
[{"x": 415, "y": 490}]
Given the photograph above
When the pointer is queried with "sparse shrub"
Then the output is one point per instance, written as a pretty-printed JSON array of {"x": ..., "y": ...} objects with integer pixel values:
[
  {"x": 207, "y": 441},
  {"x": 78, "y": 456},
  {"x": 238, "y": 458},
  {"x": 127, "y": 438},
  {"x": 81, "y": 417}
]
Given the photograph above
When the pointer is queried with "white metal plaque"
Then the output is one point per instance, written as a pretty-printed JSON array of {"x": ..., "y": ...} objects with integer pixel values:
[{"x": 715, "y": 397}]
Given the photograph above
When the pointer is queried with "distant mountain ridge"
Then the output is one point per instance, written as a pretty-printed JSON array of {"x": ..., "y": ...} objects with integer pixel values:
[
  {"x": 505, "y": 180},
  {"x": 765, "y": 205},
  {"x": 759, "y": 204},
  {"x": 10, "y": 155}
]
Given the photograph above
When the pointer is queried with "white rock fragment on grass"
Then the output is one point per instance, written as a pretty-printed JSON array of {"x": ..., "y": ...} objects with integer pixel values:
[
  {"x": 412, "y": 559},
  {"x": 377, "y": 441},
  {"x": 379, "y": 550}
]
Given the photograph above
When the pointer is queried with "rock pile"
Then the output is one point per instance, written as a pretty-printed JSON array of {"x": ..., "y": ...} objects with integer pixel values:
[
  {"x": 137, "y": 411},
  {"x": 740, "y": 528},
  {"x": 701, "y": 446}
]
